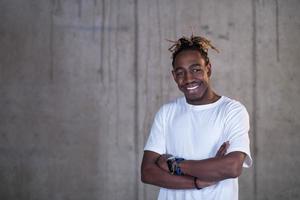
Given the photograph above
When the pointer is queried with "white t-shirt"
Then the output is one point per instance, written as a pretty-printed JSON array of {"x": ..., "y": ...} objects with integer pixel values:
[{"x": 196, "y": 133}]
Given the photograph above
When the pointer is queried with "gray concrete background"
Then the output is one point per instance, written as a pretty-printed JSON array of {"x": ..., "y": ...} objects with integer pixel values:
[{"x": 80, "y": 82}]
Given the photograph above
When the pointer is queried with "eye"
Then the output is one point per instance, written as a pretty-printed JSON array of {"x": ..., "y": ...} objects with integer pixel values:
[
  {"x": 179, "y": 74},
  {"x": 196, "y": 70}
]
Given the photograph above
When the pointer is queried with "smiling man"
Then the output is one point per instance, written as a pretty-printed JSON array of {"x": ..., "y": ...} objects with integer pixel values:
[{"x": 198, "y": 143}]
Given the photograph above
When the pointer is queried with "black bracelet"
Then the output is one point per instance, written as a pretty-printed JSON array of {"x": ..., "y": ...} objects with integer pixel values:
[{"x": 195, "y": 183}]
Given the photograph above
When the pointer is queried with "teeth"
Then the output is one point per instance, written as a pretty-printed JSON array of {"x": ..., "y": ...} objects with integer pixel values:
[{"x": 191, "y": 88}]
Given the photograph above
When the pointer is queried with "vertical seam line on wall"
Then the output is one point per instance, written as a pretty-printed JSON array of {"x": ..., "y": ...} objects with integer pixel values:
[
  {"x": 254, "y": 95},
  {"x": 51, "y": 42},
  {"x": 160, "y": 43},
  {"x": 101, "y": 69},
  {"x": 79, "y": 2},
  {"x": 136, "y": 95},
  {"x": 117, "y": 73},
  {"x": 277, "y": 30},
  {"x": 94, "y": 20}
]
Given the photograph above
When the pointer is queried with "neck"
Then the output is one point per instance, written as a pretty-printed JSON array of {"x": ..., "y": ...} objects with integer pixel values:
[{"x": 208, "y": 97}]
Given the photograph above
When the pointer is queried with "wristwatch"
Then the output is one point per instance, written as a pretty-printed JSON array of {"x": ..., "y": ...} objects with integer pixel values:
[{"x": 173, "y": 165}]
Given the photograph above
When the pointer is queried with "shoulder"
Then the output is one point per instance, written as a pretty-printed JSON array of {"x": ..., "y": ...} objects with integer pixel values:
[
  {"x": 176, "y": 103},
  {"x": 172, "y": 106},
  {"x": 232, "y": 105},
  {"x": 234, "y": 111}
]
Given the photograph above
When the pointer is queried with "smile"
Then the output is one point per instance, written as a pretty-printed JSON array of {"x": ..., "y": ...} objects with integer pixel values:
[{"x": 192, "y": 88}]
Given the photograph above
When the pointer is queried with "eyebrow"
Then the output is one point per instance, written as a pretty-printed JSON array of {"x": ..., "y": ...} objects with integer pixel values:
[
  {"x": 178, "y": 68},
  {"x": 192, "y": 65},
  {"x": 195, "y": 64}
]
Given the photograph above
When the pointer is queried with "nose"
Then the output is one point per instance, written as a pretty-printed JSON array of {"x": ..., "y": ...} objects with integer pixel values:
[{"x": 188, "y": 78}]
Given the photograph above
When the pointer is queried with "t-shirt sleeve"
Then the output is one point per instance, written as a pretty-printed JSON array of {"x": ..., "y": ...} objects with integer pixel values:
[
  {"x": 236, "y": 129},
  {"x": 156, "y": 141}
]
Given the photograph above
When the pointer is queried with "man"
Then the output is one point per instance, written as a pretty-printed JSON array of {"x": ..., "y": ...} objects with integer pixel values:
[{"x": 198, "y": 143}]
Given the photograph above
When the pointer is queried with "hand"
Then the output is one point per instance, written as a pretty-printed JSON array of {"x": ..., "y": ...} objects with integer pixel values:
[
  {"x": 222, "y": 150},
  {"x": 203, "y": 184},
  {"x": 161, "y": 162}
]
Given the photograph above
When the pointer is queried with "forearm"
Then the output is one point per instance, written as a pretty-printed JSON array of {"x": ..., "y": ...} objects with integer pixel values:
[
  {"x": 214, "y": 169},
  {"x": 156, "y": 176}
]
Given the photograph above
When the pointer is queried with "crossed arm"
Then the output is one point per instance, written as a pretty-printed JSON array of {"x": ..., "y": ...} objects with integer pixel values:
[{"x": 155, "y": 170}]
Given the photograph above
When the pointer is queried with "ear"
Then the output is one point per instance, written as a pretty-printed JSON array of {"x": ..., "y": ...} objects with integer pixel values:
[{"x": 208, "y": 66}]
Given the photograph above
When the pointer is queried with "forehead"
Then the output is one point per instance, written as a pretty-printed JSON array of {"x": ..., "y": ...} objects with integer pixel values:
[{"x": 188, "y": 57}]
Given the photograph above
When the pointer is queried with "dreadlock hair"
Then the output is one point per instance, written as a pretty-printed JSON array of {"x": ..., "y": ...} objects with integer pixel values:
[{"x": 197, "y": 43}]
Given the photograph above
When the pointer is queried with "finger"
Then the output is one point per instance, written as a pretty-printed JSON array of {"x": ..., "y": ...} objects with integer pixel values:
[
  {"x": 221, "y": 149},
  {"x": 227, "y": 146},
  {"x": 222, "y": 153},
  {"x": 224, "y": 150},
  {"x": 218, "y": 153}
]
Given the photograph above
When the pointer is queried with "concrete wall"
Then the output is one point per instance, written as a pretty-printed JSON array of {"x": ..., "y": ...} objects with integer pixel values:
[{"x": 80, "y": 82}]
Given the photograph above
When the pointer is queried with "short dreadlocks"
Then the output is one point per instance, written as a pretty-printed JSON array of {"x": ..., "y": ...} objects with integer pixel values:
[{"x": 197, "y": 43}]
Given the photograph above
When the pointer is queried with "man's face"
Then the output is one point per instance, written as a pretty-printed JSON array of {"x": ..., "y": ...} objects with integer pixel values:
[{"x": 192, "y": 75}]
